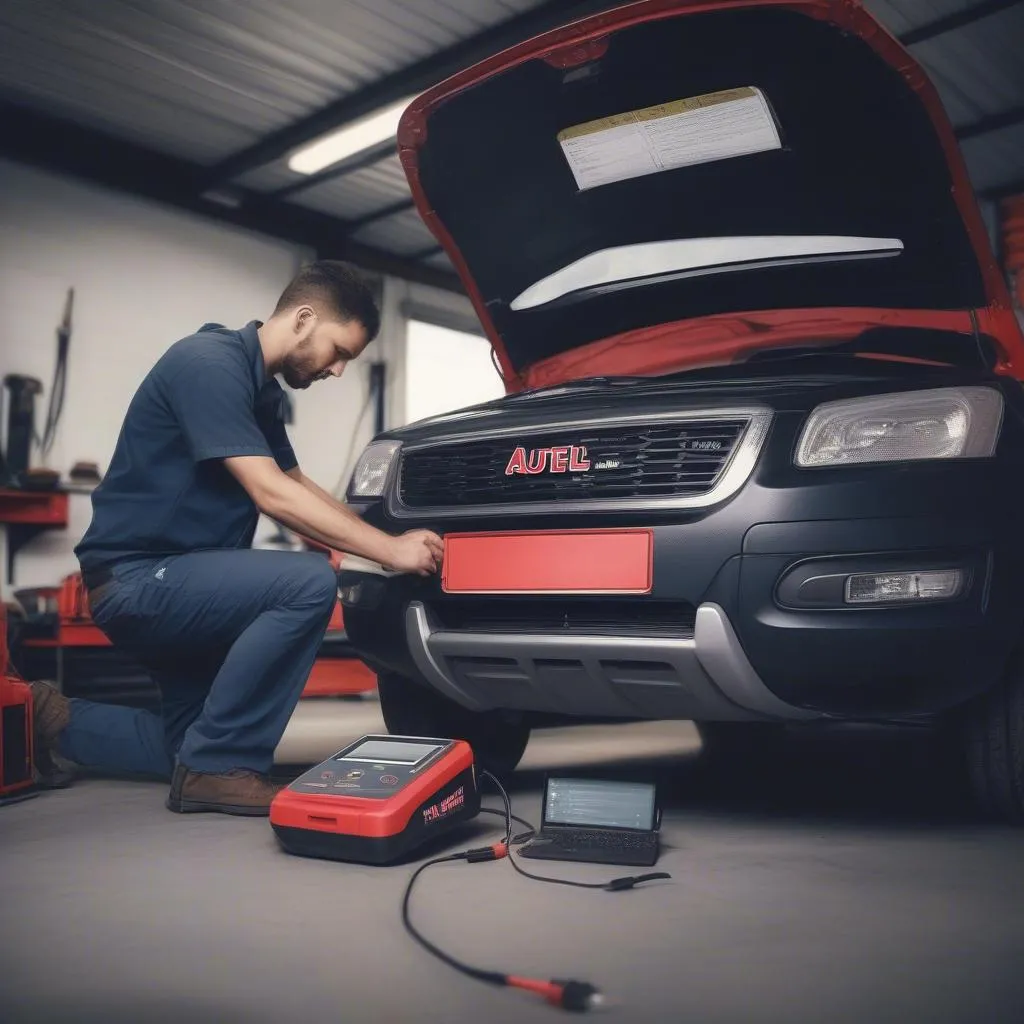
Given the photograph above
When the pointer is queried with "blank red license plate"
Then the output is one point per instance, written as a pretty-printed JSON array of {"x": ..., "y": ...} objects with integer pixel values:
[{"x": 570, "y": 562}]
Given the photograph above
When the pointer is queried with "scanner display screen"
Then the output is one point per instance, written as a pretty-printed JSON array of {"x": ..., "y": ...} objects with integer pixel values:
[
  {"x": 596, "y": 803},
  {"x": 391, "y": 752}
]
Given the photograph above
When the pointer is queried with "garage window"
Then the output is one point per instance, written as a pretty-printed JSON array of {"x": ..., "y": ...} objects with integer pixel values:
[{"x": 446, "y": 370}]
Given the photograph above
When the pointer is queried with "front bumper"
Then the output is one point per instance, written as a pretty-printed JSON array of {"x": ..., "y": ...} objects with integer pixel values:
[
  {"x": 707, "y": 675},
  {"x": 744, "y": 652}
]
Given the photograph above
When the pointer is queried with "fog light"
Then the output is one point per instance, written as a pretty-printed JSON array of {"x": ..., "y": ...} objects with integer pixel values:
[{"x": 881, "y": 588}]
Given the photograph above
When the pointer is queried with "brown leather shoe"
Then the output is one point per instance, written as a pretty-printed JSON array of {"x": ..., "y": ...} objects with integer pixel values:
[
  {"x": 234, "y": 792},
  {"x": 51, "y": 713}
]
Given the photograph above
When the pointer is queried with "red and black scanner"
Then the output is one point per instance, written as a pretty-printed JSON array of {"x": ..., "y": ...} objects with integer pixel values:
[
  {"x": 17, "y": 778},
  {"x": 378, "y": 800}
]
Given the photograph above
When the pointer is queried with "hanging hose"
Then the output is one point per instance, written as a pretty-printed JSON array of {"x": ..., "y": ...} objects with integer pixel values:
[{"x": 59, "y": 379}]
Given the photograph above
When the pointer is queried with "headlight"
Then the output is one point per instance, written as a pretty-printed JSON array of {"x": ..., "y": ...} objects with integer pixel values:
[
  {"x": 371, "y": 472},
  {"x": 947, "y": 423}
]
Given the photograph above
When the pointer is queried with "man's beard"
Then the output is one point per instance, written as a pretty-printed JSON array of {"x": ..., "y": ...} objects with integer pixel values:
[{"x": 299, "y": 373}]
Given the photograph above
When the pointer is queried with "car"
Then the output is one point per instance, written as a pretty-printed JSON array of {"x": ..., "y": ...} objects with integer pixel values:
[{"x": 760, "y": 455}]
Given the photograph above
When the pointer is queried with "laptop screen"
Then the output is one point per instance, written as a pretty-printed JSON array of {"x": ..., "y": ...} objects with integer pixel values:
[{"x": 599, "y": 803}]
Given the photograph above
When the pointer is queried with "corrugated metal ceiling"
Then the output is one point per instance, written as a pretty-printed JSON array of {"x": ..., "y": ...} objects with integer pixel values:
[
  {"x": 403, "y": 233},
  {"x": 203, "y": 80},
  {"x": 980, "y": 67},
  {"x": 995, "y": 158},
  {"x": 901, "y": 16},
  {"x": 199, "y": 79}
]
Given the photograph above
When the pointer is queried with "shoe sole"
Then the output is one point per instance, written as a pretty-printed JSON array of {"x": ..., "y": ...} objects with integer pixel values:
[{"x": 199, "y": 806}]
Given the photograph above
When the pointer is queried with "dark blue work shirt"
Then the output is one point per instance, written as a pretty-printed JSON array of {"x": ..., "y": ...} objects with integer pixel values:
[{"x": 167, "y": 490}]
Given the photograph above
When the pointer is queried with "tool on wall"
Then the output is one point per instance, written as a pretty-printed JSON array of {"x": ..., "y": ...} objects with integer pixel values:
[
  {"x": 21, "y": 426},
  {"x": 17, "y": 470},
  {"x": 59, "y": 378}
]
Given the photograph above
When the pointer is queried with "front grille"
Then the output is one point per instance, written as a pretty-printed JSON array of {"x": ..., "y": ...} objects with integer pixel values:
[
  {"x": 654, "y": 460},
  {"x": 557, "y": 616}
]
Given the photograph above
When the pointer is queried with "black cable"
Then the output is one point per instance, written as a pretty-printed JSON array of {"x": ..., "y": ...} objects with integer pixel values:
[
  {"x": 522, "y": 837},
  {"x": 346, "y": 469},
  {"x": 578, "y": 996},
  {"x": 494, "y": 977},
  {"x": 977, "y": 340},
  {"x": 497, "y": 366}
]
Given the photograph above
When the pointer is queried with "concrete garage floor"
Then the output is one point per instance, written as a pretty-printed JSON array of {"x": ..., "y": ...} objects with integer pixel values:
[{"x": 839, "y": 882}]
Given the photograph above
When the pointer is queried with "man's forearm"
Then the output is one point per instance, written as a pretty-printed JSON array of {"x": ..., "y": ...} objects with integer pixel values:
[
  {"x": 312, "y": 512},
  {"x": 310, "y": 485},
  {"x": 297, "y": 474}
]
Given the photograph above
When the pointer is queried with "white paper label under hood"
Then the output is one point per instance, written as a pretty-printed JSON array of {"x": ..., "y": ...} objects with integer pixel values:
[{"x": 701, "y": 129}]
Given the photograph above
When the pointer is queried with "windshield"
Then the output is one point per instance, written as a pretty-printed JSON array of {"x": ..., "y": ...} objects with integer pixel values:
[{"x": 646, "y": 262}]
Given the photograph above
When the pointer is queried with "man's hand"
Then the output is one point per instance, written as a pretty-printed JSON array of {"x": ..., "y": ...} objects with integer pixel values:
[
  {"x": 418, "y": 551},
  {"x": 287, "y": 501}
]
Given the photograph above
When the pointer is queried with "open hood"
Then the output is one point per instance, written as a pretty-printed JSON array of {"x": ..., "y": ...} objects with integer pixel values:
[{"x": 742, "y": 172}]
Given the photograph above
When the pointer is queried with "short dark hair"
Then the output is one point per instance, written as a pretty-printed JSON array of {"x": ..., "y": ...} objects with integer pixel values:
[{"x": 339, "y": 287}]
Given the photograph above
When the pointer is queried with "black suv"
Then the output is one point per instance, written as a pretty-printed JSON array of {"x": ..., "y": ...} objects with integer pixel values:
[{"x": 761, "y": 457}]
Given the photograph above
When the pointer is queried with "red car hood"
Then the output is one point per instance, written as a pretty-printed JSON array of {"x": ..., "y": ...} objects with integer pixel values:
[{"x": 671, "y": 184}]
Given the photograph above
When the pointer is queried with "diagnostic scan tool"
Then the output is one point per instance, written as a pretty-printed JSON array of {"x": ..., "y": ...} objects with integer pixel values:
[{"x": 378, "y": 800}]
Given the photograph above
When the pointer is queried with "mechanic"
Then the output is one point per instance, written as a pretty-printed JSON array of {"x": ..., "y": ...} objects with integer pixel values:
[{"x": 228, "y": 633}]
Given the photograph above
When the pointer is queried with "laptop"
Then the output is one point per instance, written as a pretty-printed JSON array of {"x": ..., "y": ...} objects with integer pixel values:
[{"x": 597, "y": 820}]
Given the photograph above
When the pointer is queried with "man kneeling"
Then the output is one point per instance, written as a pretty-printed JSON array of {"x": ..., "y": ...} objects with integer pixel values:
[{"x": 228, "y": 633}]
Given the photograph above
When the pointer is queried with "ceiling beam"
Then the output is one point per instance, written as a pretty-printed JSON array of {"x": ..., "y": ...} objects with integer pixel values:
[
  {"x": 395, "y": 87},
  {"x": 426, "y": 254},
  {"x": 402, "y": 206},
  {"x": 991, "y": 123},
  {"x": 951, "y": 22},
  {"x": 66, "y": 148}
]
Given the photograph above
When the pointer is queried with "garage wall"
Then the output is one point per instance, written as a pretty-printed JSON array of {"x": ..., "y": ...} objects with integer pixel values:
[{"x": 144, "y": 276}]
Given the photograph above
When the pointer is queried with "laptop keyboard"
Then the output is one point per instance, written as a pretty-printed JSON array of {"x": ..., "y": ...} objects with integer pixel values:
[{"x": 599, "y": 838}]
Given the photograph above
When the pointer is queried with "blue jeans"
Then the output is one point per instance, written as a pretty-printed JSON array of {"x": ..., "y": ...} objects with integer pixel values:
[{"x": 229, "y": 637}]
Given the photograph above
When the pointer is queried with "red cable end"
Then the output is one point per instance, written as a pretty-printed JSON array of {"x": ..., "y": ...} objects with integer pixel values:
[
  {"x": 547, "y": 989},
  {"x": 481, "y": 853},
  {"x": 576, "y": 996}
]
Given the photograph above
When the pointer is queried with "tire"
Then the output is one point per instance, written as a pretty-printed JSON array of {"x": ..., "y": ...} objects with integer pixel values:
[
  {"x": 409, "y": 709},
  {"x": 993, "y": 743}
]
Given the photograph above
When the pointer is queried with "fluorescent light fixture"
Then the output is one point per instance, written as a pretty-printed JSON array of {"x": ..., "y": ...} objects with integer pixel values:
[{"x": 339, "y": 145}]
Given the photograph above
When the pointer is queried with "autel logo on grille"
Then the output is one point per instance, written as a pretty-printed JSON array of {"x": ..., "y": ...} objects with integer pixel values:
[
  {"x": 570, "y": 459},
  {"x": 681, "y": 460}
]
